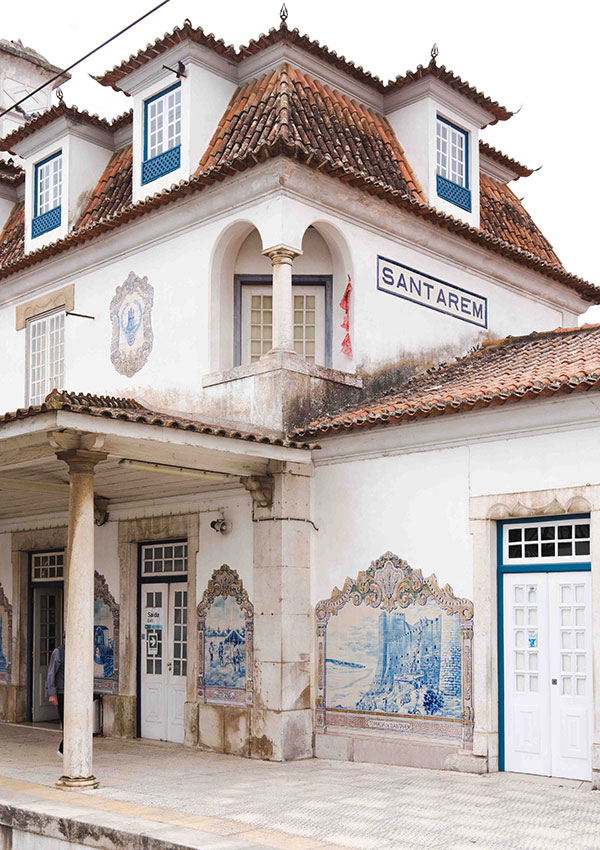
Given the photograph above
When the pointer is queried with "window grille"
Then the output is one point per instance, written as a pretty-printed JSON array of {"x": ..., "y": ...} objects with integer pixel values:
[
  {"x": 305, "y": 326},
  {"x": 554, "y": 541},
  {"x": 47, "y": 566},
  {"x": 48, "y": 195},
  {"x": 162, "y": 134},
  {"x": 261, "y": 326},
  {"x": 46, "y": 343},
  {"x": 164, "y": 558}
]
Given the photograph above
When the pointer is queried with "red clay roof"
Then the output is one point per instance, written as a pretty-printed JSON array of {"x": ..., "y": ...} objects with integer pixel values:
[
  {"x": 314, "y": 123},
  {"x": 130, "y": 410},
  {"x": 162, "y": 44},
  {"x": 112, "y": 192},
  {"x": 516, "y": 167},
  {"x": 59, "y": 110},
  {"x": 283, "y": 34},
  {"x": 10, "y": 173},
  {"x": 511, "y": 369},
  {"x": 503, "y": 215},
  {"x": 12, "y": 238},
  {"x": 288, "y": 113},
  {"x": 440, "y": 72}
]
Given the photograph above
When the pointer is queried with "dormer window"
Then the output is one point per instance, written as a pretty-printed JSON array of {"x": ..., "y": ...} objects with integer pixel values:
[
  {"x": 452, "y": 164},
  {"x": 47, "y": 195},
  {"x": 162, "y": 134}
]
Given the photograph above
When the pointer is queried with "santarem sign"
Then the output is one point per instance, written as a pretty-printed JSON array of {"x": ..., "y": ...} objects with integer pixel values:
[{"x": 431, "y": 292}]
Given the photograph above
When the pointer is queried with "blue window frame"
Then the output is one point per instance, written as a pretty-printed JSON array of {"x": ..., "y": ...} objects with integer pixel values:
[
  {"x": 452, "y": 164},
  {"x": 533, "y": 562},
  {"x": 162, "y": 134},
  {"x": 47, "y": 195}
]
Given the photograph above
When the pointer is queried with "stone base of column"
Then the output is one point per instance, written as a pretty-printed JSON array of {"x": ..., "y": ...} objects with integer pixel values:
[
  {"x": 281, "y": 735},
  {"x": 77, "y": 783}
]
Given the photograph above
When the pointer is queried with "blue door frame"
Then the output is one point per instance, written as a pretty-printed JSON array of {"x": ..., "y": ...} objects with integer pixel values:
[{"x": 510, "y": 569}]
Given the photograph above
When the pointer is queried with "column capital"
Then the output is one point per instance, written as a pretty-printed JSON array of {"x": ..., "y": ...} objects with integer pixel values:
[
  {"x": 81, "y": 460},
  {"x": 279, "y": 254}
]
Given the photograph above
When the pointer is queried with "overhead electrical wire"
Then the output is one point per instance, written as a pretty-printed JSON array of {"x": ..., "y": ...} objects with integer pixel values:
[{"x": 83, "y": 58}]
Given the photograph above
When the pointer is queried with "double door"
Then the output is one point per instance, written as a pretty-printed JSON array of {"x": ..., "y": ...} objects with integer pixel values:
[
  {"x": 548, "y": 674},
  {"x": 47, "y": 635},
  {"x": 163, "y": 647}
]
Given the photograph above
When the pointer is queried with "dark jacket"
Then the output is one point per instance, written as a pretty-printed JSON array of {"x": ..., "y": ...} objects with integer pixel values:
[{"x": 55, "y": 683}]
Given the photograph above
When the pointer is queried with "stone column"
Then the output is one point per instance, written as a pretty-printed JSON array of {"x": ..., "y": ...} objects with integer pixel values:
[
  {"x": 282, "y": 716},
  {"x": 282, "y": 258},
  {"x": 79, "y": 659}
]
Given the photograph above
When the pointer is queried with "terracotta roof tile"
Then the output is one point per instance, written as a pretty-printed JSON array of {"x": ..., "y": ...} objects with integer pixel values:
[
  {"x": 113, "y": 190},
  {"x": 12, "y": 238},
  {"x": 313, "y": 122},
  {"x": 130, "y": 410},
  {"x": 503, "y": 159},
  {"x": 59, "y": 110},
  {"x": 286, "y": 112},
  {"x": 440, "y": 72},
  {"x": 503, "y": 216},
  {"x": 11, "y": 173},
  {"x": 527, "y": 367}
]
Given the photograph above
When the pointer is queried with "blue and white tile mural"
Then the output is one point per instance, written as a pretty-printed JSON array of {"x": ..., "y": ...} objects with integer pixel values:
[
  {"x": 5, "y": 636},
  {"x": 225, "y": 644},
  {"x": 106, "y": 638},
  {"x": 393, "y": 643},
  {"x": 225, "y": 632}
]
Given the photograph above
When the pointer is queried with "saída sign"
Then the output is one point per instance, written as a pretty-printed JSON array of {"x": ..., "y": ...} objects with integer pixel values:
[{"x": 431, "y": 292}]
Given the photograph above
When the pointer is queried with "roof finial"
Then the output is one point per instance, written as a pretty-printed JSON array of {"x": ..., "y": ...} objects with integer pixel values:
[
  {"x": 434, "y": 53},
  {"x": 283, "y": 14},
  {"x": 60, "y": 94}
]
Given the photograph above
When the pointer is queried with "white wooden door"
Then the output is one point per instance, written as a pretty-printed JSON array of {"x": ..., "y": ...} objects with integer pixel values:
[
  {"x": 571, "y": 674},
  {"x": 164, "y": 660},
  {"x": 547, "y": 682},
  {"x": 47, "y": 635}
]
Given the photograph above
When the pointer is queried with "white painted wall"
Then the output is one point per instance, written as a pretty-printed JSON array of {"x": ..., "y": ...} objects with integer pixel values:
[
  {"x": 234, "y": 549},
  {"x": 190, "y": 266},
  {"x": 106, "y": 555},
  {"x": 416, "y": 503}
]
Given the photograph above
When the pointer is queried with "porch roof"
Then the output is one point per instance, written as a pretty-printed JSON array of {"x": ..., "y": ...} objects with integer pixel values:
[{"x": 150, "y": 455}]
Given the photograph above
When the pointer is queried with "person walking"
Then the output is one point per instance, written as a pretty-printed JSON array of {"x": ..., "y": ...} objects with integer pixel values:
[{"x": 55, "y": 685}]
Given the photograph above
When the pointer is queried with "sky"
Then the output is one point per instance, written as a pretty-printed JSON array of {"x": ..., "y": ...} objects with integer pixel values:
[{"x": 537, "y": 58}]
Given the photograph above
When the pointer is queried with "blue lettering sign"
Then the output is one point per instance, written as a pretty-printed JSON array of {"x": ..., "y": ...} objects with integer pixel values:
[{"x": 431, "y": 292}]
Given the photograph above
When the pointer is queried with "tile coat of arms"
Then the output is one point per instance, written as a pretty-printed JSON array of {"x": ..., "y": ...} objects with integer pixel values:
[{"x": 131, "y": 317}]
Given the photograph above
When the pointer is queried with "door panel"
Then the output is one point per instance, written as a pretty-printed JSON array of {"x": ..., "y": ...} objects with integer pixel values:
[
  {"x": 571, "y": 660},
  {"x": 164, "y": 660},
  {"x": 527, "y": 709},
  {"x": 547, "y": 674},
  {"x": 47, "y": 634}
]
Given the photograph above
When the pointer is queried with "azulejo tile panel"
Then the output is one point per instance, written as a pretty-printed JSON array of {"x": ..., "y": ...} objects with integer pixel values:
[
  {"x": 106, "y": 638},
  {"x": 5, "y": 637},
  {"x": 225, "y": 641},
  {"x": 131, "y": 317},
  {"x": 395, "y": 653}
]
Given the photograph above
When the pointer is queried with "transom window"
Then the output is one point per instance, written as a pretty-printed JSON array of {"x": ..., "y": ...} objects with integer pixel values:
[
  {"x": 162, "y": 134},
  {"x": 47, "y": 566},
  {"x": 46, "y": 355},
  {"x": 47, "y": 195},
  {"x": 451, "y": 149},
  {"x": 164, "y": 558},
  {"x": 565, "y": 540}
]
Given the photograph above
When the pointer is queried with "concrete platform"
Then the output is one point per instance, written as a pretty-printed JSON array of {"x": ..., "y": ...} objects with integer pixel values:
[{"x": 156, "y": 796}]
